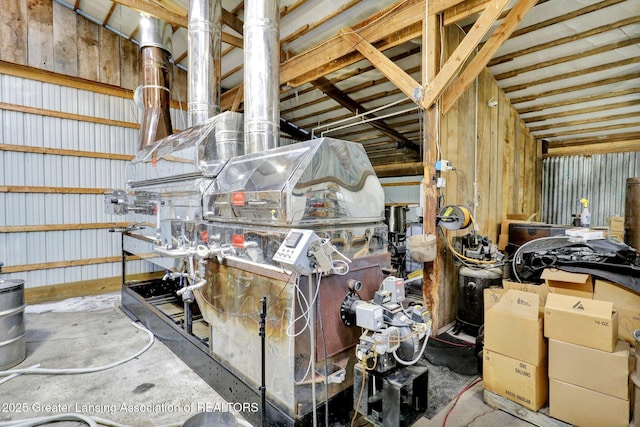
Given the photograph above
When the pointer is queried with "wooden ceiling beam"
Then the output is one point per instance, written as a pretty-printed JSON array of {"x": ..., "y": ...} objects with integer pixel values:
[
  {"x": 407, "y": 34},
  {"x": 595, "y": 148},
  {"x": 479, "y": 62},
  {"x": 399, "y": 169},
  {"x": 238, "y": 8},
  {"x": 388, "y": 68},
  {"x": 309, "y": 27},
  {"x": 232, "y": 21},
  {"x": 227, "y": 99},
  {"x": 462, "y": 52},
  {"x": 624, "y": 136},
  {"x": 577, "y": 73},
  {"x": 573, "y": 88},
  {"x": 285, "y": 10},
  {"x": 607, "y": 118},
  {"x": 337, "y": 95},
  {"x": 564, "y": 40},
  {"x": 464, "y": 10},
  {"x": 315, "y": 114},
  {"x": 439, "y": 6},
  {"x": 402, "y": 21},
  {"x": 172, "y": 6},
  {"x": 146, "y": 6},
  {"x": 229, "y": 19},
  {"x": 109, "y": 14},
  {"x": 584, "y": 54},
  {"x": 578, "y": 100},
  {"x": 567, "y": 16},
  {"x": 585, "y": 110},
  {"x": 180, "y": 58},
  {"x": 580, "y": 131},
  {"x": 353, "y": 73}
]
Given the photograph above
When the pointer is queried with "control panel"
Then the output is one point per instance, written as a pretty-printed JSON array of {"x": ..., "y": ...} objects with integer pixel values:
[
  {"x": 294, "y": 251},
  {"x": 395, "y": 286}
]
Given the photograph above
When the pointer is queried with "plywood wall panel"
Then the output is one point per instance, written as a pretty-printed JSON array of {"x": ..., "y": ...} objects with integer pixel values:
[
  {"x": 13, "y": 32},
  {"x": 88, "y": 49},
  {"x": 40, "y": 34},
  {"x": 65, "y": 49},
  {"x": 129, "y": 65},
  {"x": 506, "y": 167},
  {"x": 109, "y": 44}
]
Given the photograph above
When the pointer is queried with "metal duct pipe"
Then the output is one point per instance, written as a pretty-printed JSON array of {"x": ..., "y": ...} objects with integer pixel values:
[
  {"x": 261, "y": 75},
  {"x": 155, "y": 79},
  {"x": 205, "y": 45}
]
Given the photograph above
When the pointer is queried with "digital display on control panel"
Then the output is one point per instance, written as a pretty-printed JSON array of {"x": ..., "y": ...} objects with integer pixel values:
[{"x": 292, "y": 239}]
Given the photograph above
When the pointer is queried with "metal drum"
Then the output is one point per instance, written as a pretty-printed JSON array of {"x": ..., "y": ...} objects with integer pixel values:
[
  {"x": 471, "y": 286},
  {"x": 12, "y": 331},
  {"x": 632, "y": 213},
  {"x": 211, "y": 419},
  {"x": 396, "y": 218}
]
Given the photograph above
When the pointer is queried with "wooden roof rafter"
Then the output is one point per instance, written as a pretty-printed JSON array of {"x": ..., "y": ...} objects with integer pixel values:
[
  {"x": 153, "y": 9},
  {"x": 344, "y": 100},
  {"x": 482, "y": 58},
  {"x": 578, "y": 100},
  {"x": 567, "y": 89},
  {"x": 606, "y": 118},
  {"x": 109, "y": 14}
]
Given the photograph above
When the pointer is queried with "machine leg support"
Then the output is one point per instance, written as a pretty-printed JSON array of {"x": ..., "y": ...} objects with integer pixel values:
[{"x": 395, "y": 398}]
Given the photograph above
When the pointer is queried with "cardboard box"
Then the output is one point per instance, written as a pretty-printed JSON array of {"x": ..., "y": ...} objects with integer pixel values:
[
  {"x": 563, "y": 282},
  {"x": 513, "y": 327},
  {"x": 542, "y": 289},
  {"x": 503, "y": 242},
  {"x": 504, "y": 225},
  {"x": 491, "y": 297},
  {"x": 586, "y": 408},
  {"x": 586, "y": 367},
  {"x": 616, "y": 223},
  {"x": 521, "y": 382},
  {"x": 582, "y": 321},
  {"x": 625, "y": 302}
]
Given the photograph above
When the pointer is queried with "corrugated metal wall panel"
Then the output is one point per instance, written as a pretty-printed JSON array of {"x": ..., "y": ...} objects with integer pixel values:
[
  {"x": 29, "y": 169},
  {"x": 409, "y": 194},
  {"x": 600, "y": 178}
]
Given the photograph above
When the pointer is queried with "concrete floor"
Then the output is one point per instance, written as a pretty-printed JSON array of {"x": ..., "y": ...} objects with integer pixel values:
[{"x": 154, "y": 389}]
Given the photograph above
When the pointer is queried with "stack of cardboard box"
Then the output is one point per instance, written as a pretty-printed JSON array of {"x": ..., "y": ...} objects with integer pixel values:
[
  {"x": 515, "y": 351},
  {"x": 588, "y": 367},
  {"x": 625, "y": 302}
]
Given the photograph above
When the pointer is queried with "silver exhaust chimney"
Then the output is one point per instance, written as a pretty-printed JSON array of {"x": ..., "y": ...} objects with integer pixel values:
[
  {"x": 261, "y": 75},
  {"x": 205, "y": 45},
  {"x": 155, "y": 80}
]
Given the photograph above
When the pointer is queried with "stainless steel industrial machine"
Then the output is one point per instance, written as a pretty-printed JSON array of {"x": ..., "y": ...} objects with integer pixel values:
[
  {"x": 258, "y": 242},
  {"x": 220, "y": 233}
]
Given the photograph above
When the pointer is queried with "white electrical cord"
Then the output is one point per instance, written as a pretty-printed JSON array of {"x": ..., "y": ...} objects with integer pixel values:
[
  {"x": 51, "y": 419},
  {"x": 305, "y": 311},
  {"x": 92, "y": 421},
  {"x": 73, "y": 371},
  {"x": 12, "y": 376}
]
